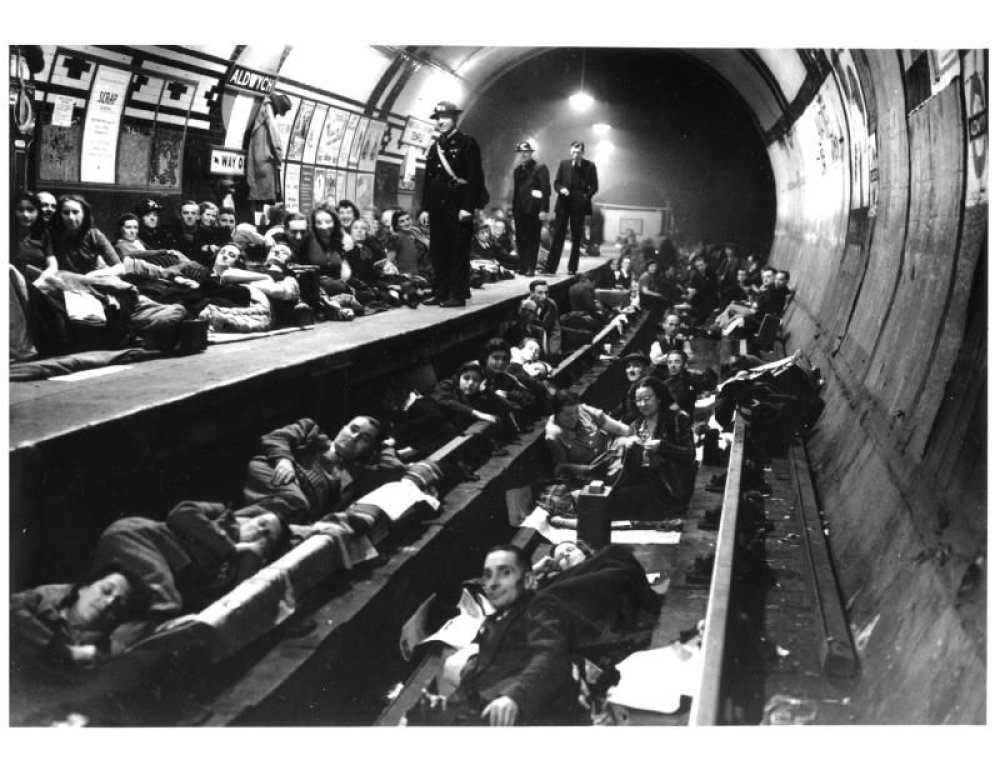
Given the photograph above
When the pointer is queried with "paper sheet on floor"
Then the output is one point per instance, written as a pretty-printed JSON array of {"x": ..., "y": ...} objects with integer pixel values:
[
  {"x": 657, "y": 679},
  {"x": 539, "y": 520},
  {"x": 462, "y": 628},
  {"x": 78, "y": 376}
]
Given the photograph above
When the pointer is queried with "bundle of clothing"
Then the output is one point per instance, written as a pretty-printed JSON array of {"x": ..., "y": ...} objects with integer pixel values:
[{"x": 778, "y": 400}]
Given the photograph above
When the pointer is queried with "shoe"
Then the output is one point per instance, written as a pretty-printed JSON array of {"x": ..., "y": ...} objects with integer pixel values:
[
  {"x": 453, "y": 303},
  {"x": 711, "y": 519},
  {"x": 432, "y": 300}
]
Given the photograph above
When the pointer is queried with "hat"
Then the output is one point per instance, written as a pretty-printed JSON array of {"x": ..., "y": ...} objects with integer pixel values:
[
  {"x": 525, "y": 146},
  {"x": 147, "y": 206},
  {"x": 444, "y": 108},
  {"x": 637, "y": 357},
  {"x": 280, "y": 103}
]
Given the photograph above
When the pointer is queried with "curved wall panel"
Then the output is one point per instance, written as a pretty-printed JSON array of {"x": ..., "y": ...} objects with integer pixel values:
[{"x": 906, "y": 507}]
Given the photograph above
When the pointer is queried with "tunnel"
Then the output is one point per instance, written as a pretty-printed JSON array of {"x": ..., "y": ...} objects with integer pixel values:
[{"x": 861, "y": 172}]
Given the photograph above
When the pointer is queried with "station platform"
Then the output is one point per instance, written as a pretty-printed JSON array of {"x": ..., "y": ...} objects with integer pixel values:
[{"x": 136, "y": 439}]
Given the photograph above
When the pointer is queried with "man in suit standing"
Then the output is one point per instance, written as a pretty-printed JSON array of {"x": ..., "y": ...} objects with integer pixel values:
[
  {"x": 531, "y": 205},
  {"x": 576, "y": 183},
  {"x": 453, "y": 190}
]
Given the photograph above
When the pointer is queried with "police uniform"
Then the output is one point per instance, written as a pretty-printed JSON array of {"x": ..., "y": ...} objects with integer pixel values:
[
  {"x": 444, "y": 196},
  {"x": 531, "y": 197}
]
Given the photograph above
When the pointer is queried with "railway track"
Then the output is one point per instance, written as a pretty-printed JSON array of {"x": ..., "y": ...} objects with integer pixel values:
[{"x": 335, "y": 660}]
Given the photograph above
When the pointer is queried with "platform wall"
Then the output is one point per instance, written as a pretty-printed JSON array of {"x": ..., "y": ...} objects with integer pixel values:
[{"x": 891, "y": 303}]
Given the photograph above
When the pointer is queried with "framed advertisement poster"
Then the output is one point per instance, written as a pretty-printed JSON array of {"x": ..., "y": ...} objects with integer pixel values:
[
  {"x": 292, "y": 188},
  {"x": 297, "y": 141},
  {"x": 345, "y": 145},
  {"x": 333, "y": 133},
  {"x": 312, "y": 136}
]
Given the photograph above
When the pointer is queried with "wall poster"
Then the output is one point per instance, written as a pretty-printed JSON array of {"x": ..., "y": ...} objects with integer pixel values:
[
  {"x": 365, "y": 191},
  {"x": 306, "y": 184},
  {"x": 372, "y": 145},
  {"x": 333, "y": 133},
  {"x": 359, "y": 137},
  {"x": 292, "y": 188},
  {"x": 348, "y": 141},
  {"x": 312, "y": 137},
  {"x": 100, "y": 128},
  {"x": 297, "y": 141}
]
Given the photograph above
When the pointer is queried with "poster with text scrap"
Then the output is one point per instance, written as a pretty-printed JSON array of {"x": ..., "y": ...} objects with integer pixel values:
[
  {"x": 292, "y": 188},
  {"x": 100, "y": 128},
  {"x": 306, "y": 184}
]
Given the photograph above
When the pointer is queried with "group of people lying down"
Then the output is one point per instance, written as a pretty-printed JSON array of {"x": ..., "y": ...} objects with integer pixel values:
[{"x": 146, "y": 572}]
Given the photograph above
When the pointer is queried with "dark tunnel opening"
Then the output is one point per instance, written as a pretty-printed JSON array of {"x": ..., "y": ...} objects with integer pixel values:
[{"x": 679, "y": 136}]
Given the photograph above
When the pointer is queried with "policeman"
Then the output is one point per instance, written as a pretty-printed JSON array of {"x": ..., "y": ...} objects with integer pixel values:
[
  {"x": 531, "y": 205},
  {"x": 453, "y": 190}
]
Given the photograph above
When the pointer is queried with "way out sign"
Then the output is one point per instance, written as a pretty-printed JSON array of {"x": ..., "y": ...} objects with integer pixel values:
[{"x": 226, "y": 161}]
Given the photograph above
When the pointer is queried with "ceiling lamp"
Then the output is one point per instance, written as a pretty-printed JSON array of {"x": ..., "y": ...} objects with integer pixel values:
[{"x": 581, "y": 101}]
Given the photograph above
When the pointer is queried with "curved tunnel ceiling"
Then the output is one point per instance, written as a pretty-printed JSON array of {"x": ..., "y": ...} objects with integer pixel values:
[{"x": 766, "y": 79}]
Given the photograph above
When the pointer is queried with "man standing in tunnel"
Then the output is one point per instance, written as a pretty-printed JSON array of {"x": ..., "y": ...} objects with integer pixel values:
[
  {"x": 531, "y": 205},
  {"x": 576, "y": 183},
  {"x": 453, "y": 190}
]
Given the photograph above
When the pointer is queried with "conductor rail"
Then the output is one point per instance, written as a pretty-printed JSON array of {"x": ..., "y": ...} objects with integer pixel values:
[{"x": 708, "y": 706}]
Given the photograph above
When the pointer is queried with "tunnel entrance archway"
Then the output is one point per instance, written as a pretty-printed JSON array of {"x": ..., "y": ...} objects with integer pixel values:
[{"x": 677, "y": 128}]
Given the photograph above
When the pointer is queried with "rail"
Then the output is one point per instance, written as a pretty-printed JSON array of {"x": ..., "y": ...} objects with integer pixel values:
[{"x": 708, "y": 703}]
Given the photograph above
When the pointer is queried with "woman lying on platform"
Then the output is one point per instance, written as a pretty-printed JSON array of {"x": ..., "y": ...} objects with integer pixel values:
[
  {"x": 562, "y": 556},
  {"x": 201, "y": 551},
  {"x": 65, "y": 625}
]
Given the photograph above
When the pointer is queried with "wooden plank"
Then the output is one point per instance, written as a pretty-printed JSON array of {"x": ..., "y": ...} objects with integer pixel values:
[
  {"x": 426, "y": 671},
  {"x": 836, "y": 648},
  {"x": 706, "y": 710}
]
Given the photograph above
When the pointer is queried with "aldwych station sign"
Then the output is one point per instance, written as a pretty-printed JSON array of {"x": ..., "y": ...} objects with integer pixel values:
[{"x": 250, "y": 81}]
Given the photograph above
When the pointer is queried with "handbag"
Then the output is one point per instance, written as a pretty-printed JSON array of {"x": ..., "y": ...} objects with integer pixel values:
[{"x": 84, "y": 308}]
